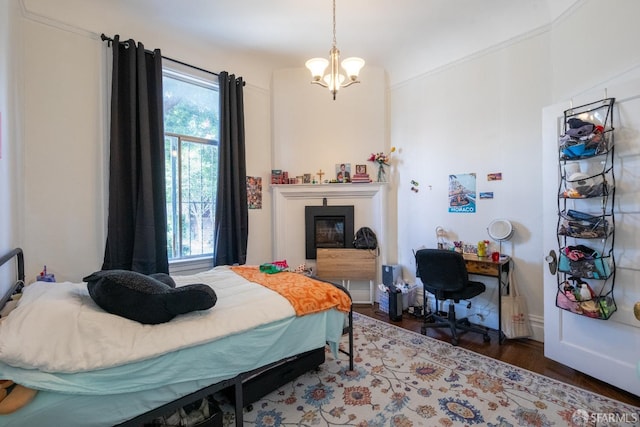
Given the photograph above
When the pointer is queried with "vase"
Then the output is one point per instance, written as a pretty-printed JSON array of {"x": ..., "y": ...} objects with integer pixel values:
[{"x": 382, "y": 174}]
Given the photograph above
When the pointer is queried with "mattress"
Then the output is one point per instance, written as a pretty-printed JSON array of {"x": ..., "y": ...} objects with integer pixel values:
[{"x": 100, "y": 397}]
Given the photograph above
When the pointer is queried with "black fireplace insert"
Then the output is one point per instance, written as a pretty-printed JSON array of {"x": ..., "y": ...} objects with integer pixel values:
[{"x": 327, "y": 227}]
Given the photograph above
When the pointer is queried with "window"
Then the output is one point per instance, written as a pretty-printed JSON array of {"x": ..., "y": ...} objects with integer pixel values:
[{"x": 191, "y": 160}]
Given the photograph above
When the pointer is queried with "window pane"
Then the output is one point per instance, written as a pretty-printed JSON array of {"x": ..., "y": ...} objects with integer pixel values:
[
  {"x": 191, "y": 158},
  {"x": 198, "y": 179},
  {"x": 171, "y": 179},
  {"x": 190, "y": 109}
]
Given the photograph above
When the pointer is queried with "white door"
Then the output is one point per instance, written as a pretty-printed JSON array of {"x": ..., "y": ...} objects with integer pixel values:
[{"x": 605, "y": 349}]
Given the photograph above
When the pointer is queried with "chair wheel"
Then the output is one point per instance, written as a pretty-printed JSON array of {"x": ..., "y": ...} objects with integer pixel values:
[
  {"x": 423, "y": 330},
  {"x": 454, "y": 341},
  {"x": 486, "y": 338}
]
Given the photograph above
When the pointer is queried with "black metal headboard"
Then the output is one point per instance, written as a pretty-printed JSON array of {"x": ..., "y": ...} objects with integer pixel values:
[{"x": 16, "y": 287}]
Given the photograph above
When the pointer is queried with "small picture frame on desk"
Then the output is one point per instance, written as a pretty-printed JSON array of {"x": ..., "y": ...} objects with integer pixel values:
[{"x": 469, "y": 249}]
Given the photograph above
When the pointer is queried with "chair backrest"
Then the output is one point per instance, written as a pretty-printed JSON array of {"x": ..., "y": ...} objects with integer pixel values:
[{"x": 441, "y": 270}]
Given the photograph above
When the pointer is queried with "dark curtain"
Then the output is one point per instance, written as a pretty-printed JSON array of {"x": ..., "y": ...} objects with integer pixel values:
[
  {"x": 137, "y": 224},
  {"x": 232, "y": 212}
]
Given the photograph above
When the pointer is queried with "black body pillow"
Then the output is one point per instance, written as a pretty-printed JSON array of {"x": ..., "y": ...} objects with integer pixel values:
[{"x": 149, "y": 299}]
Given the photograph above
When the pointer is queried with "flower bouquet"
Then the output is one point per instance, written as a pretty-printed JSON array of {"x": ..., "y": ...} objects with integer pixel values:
[{"x": 382, "y": 160}]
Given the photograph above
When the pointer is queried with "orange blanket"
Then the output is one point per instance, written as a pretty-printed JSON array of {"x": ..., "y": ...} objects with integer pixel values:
[{"x": 305, "y": 294}]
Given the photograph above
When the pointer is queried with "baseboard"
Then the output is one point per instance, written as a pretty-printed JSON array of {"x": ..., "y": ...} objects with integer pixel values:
[{"x": 537, "y": 326}]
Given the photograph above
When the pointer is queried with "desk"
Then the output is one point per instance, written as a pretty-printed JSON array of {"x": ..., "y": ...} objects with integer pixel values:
[
  {"x": 348, "y": 264},
  {"x": 484, "y": 266}
]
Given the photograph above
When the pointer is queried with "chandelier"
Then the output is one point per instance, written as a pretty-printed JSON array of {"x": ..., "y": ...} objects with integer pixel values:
[{"x": 334, "y": 80}]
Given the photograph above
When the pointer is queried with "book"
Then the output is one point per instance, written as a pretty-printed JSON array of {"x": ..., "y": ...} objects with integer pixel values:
[
  {"x": 360, "y": 177},
  {"x": 276, "y": 176}
]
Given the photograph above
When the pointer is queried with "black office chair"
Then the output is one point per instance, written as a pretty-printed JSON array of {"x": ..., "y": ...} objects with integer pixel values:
[{"x": 444, "y": 274}]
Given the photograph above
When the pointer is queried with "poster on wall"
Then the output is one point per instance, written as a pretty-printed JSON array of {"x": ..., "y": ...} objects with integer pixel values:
[
  {"x": 254, "y": 192},
  {"x": 462, "y": 193}
]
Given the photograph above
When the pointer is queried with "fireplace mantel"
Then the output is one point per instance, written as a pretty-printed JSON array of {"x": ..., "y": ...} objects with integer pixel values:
[
  {"x": 327, "y": 190},
  {"x": 289, "y": 201}
]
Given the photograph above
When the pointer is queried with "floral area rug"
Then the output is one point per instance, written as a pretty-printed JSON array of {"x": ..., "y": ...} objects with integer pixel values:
[{"x": 402, "y": 378}]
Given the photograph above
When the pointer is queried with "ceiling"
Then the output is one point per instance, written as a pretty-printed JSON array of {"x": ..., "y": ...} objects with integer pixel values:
[{"x": 405, "y": 37}]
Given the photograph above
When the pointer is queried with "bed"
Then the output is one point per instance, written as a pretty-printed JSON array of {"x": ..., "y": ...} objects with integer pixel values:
[{"x": 93, "y": 368}]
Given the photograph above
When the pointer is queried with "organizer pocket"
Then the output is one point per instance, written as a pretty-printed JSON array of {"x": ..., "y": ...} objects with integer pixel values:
[
  {"x": 581, "y": 148},
  {"x": 584, "y": 226},
  {"x": 589, "y": 268},
  {"x": 581, "y": 186},
  {"x": 576, "y": 296},
  {"x": 566, "y": 301}
]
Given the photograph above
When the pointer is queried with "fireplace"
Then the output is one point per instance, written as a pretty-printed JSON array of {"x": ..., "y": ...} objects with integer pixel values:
[{"x": 327, "y": 227}]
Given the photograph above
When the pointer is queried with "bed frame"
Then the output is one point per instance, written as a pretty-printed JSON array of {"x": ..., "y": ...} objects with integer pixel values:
[
  {"x": 18, "y": 285},
  {"x": 246, "y": 387}
]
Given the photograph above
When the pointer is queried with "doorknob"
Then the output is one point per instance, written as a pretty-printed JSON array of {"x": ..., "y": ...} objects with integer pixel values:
[
  {"x": 636, "y": 310},
  {"x": 552, "y": 260}
]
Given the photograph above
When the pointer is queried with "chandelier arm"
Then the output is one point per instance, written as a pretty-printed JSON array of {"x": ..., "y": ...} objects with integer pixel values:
[
  {"x": 319, "y": 82},
  {"x": 349, "y": 83}
]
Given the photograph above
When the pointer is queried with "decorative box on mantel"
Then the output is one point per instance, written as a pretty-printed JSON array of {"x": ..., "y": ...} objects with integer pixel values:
[{"x": 289, "y": 201}]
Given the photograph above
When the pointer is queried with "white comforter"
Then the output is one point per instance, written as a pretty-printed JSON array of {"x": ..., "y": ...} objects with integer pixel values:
[{"x": 57, "y": 327}]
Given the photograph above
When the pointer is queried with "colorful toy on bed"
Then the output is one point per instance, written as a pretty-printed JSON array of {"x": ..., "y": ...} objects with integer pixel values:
[
  {"x": 274, "y": 267},
  {"x": 146, "y": 299}
]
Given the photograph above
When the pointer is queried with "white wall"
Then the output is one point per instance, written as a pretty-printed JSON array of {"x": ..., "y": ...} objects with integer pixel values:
[
  {"x": 64, "y": 151},
  {"x": 257, "y": 111},
  {"x": 313, "y": 132},
  {"x": 5, "y": 179},
  {"x": 484, "y": 115},
  {"x": 584, "y": 57},
  {"x": 65, "y": 141},
  {"x": 480, "y": 116},
  {"x": 9, "y": 182}
]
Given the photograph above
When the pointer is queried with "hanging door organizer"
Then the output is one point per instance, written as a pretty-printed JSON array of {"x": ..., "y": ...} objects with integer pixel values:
[{"x": 586, "y": 223}]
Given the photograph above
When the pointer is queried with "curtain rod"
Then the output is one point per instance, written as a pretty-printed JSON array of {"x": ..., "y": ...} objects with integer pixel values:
[{"x": 109, "y": 40}]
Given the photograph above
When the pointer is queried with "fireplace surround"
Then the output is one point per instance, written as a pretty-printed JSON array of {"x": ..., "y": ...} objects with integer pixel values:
[
  {"x": 328, "y": 227},
  {"x": 288, "y": 220}
]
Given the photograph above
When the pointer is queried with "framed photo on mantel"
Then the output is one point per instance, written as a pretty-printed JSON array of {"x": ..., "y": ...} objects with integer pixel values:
[{"x": 343, "y": 172}]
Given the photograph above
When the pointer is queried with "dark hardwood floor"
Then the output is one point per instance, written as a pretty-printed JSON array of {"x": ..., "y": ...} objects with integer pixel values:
[{"x": 525, "y": 353}]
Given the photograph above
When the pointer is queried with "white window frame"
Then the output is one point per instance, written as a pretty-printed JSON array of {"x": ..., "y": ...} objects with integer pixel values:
[{"x": 210, "y": 81}]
